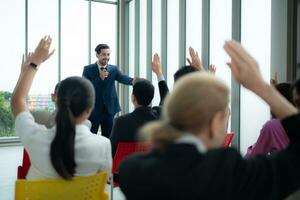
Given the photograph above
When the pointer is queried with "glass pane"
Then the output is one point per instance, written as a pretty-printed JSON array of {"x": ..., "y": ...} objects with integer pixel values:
[
  {"x": 173, "y": 40},
  {"x": 131, "y": 47},
  {"x": 156, "y": 44},
  {"x": 256, "y": 38},
  {"x": 220, "y": 30},
  {"x": 193, "y": 25},
  {"x": 74, "y": 37},
  {"x": 12, "y": 47},
  {"x": 42, "y": 22},
  {"x": 143, "y": 39},
  {"x": 104, "y": 25}
]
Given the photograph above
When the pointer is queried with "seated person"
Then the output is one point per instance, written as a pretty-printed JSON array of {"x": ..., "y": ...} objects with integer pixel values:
[
  {"x": 126, "y": 127},
  {"x": 187, "y": 161},
  {"x": 69, "y": 148},
  {"x": 44, "y": 117},
  {"x": 272, "y": 136}
]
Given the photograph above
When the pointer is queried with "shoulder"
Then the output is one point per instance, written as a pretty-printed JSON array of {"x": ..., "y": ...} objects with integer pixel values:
[
  {"x": 91, "y": 66},
  {"x": 123, "y": 119}
]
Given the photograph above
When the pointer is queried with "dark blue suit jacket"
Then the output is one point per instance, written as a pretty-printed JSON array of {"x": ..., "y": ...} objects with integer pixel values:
[{"x": 106, "y": 94}]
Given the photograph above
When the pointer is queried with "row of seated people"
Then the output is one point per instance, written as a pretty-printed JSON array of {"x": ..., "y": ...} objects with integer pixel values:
[{"x": 186, "y": 161}]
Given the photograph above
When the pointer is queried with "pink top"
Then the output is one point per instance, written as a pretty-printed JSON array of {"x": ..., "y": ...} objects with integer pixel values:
[{"x": 272, "y": 138}]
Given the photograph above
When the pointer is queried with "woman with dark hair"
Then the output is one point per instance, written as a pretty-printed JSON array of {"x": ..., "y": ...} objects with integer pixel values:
[
  {"x": 272, "y": 136},
  {"x": 187, "y": 161},
  {"x": 69, "y": 148}
]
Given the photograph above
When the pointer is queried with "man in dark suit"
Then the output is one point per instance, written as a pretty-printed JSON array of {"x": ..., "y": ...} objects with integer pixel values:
[
  {"x": 103, "y": 77},
  {"x": 125, "y": 128}
]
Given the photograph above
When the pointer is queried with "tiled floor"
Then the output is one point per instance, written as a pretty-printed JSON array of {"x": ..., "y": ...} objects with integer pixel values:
[{"x": 10, "y": 159}]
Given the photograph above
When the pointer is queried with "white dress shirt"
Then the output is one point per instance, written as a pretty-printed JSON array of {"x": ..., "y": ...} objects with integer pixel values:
[{"x": 92, "y": 152}]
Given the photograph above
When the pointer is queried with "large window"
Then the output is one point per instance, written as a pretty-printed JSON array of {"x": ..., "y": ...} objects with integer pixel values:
[
  {"x": 220, "y": 30},
  {"x": 143, "y": 39},
  {"x": 74, "y": 37},
  {"x": 256, "y": 37},
  {"x": 12, "y": 40},
  {"x": 104, "y": 26},
  {"x": 131, "y": 47},
  {"x": 74, "y": 52},
  {"x": 194, "y": 25},
  {"x": 156, "y": 43},
  {"x": 43, "y": 22},
  {"x": 172, "y": 40}
]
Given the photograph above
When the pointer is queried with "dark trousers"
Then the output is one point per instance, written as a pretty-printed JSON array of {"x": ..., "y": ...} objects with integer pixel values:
[{"x": 106, "y": 122}]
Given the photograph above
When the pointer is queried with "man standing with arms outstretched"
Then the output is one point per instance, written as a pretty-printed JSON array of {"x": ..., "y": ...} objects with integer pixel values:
[{"x": 103, "y": 76}]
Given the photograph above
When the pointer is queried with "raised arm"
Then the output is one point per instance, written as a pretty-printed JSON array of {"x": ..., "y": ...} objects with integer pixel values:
[
  {"x": 246, "y": 71},
  {"x": 162, "y": 84},
  {"x": 28, "y": 71}
]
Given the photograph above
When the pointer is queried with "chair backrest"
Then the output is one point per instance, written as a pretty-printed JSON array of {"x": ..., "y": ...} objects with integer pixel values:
[
  {"x": 228, "y": 139},
  {"x": 79, "y": 188},
  {"x": 23, "y": 169},
  {"x": 124, "y": 149}
]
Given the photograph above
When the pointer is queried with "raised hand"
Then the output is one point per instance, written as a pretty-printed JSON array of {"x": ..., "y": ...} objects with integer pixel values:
[
  {"x": 246, "y": 71},
  {"x": 212, "y": 69},
  {"x": 195, "y": 60},
  {"x": 41, "y": 52},
  {"x": 244, "y": 68},
  {"x": 104, "y": 74},
  {"x": 156, "y": 67}
]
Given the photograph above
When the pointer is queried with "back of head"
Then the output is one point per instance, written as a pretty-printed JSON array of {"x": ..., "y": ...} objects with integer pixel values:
[
  {"x": 190, "y": 107},
  {"x": 183, "y": 71},
  {"x": 285, "y": 89},
  {"x": 75, "y": 96},
  {"x": 99, "y": 47},
  {"x": 143, "y": 91}
]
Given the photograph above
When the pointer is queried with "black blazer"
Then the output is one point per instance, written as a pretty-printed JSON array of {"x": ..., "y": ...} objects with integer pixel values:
[
  {"x": 181, "y": 172},
  {"x": 163, "y": 91},
  {"x": 125, "y": 128}
]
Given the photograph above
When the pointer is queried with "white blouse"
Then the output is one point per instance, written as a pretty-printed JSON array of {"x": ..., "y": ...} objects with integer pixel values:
[{"x": 92, "y": 152}]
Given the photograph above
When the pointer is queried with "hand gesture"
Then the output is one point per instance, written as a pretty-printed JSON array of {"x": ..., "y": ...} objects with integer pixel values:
[
  {"x": 103, "y": 74},
  {"x": 243, "y": 67},
  {"x": 195, "y": 60},
  {"x": 156, "y": 68},
  {"x": 274, "y": 81},
  {"x": 212, "y": 69},
  {"x": 41, "y": 52}
]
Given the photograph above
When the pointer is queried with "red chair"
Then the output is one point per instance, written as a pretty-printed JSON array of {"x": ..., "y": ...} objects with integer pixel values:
[
  {"x": 125, "y": 149},
  {"x": 228, "y": 139},
  {"x": 23, "y": 169}
]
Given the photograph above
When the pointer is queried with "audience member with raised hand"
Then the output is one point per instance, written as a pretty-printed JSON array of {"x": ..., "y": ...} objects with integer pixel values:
[
  {"x": 272, "y": 137},
  {"x": 125, "y": 128},
  {"x": 162, "y": 84},
  {"x": 69, "y": 148},
  {"x": 187, "y": 161},
  {"x": 212, "y": 69},
  {"x": 195, "y": 60}
]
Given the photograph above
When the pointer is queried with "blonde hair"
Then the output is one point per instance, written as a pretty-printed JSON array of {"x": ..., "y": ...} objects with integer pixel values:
[{"x": 190, "y": 107}]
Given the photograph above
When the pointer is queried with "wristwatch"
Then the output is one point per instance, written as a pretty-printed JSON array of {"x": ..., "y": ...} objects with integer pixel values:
[{"x": 33, "y": 65}]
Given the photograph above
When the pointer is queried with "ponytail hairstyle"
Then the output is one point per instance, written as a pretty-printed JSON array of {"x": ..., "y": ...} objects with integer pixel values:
[
  {"x": 75, "y": 95},
  {"x": 189, "y": 108}
]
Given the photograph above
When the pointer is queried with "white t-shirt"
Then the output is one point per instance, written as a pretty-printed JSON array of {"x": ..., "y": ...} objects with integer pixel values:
[{"x": 92, "y": 152}]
